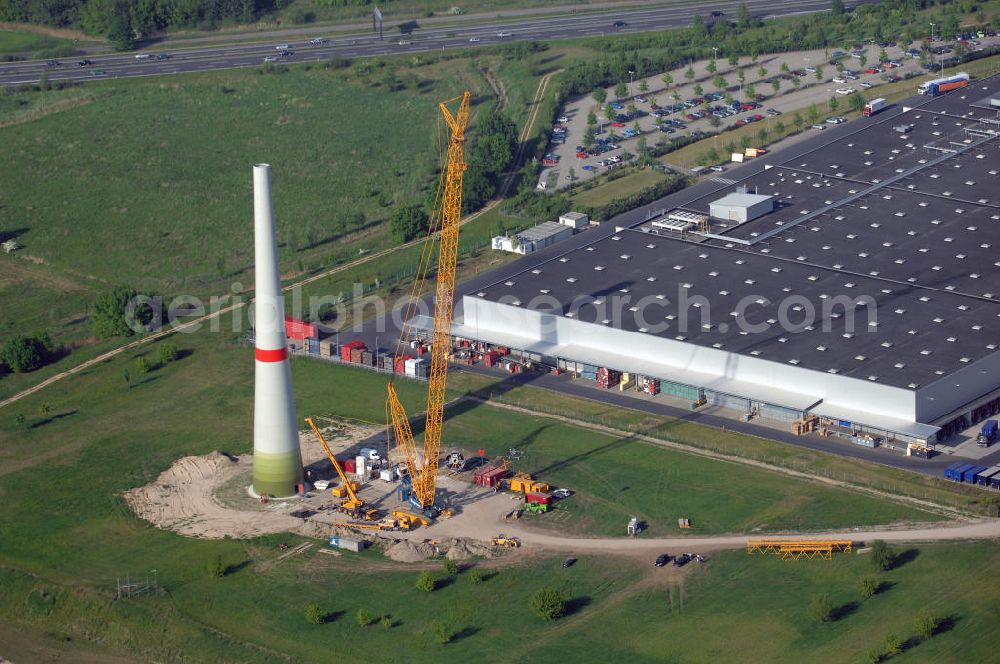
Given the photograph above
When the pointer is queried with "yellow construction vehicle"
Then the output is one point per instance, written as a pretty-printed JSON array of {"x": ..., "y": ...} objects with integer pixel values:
[
  {"x": 386, "y": 523},
  {"x": 506, "y": 542},
  {"x": 420, "y": 487},
  {"x": 351, "y": 504},
  {"x": 410, "y": 518},
  {"x": 524, "y": 483}
]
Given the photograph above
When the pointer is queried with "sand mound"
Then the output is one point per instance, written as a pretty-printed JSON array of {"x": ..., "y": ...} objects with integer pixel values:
[
  {"x": 406, "y": 551},
  {"x": 183, "y": 498}
]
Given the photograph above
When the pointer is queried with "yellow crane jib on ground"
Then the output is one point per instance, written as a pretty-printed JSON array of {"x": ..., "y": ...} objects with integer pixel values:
[
  {"x": 352, "y": 502},
  {"x": 423, "y": 470}
]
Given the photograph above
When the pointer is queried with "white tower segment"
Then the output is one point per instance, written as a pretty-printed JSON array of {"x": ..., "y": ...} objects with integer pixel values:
[{"x": 277, "y": 461}]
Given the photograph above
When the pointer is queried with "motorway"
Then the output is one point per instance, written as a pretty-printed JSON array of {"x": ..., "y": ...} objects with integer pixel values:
[{"x": 233, "y": 56}]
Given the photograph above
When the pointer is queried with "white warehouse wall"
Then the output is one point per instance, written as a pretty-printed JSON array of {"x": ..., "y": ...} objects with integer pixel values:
[{"x": 843, "y": 391}]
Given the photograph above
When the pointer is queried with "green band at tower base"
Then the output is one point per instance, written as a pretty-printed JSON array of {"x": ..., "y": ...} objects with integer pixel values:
[{"x": 276, "y": 474}]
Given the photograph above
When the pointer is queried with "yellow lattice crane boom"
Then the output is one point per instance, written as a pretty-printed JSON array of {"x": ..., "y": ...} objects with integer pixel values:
[
  {"x": 352, "y": 502},
  {"x": 423, "y": 469}
]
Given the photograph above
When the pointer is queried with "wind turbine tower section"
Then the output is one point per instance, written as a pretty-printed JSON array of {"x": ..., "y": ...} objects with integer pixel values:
[{"x": 277, "y": 460}]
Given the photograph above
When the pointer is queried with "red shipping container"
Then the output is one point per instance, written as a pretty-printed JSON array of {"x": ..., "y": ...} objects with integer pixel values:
[
  {"x": 348, "y": 465},
  {"x": 299, "y": 329},
  {"x": 399, "y": 366},
  {"x": 543, "y": 498},
  {"x": 345, "y": 350}
]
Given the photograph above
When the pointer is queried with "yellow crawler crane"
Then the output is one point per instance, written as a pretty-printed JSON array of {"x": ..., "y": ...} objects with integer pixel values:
[
  {"x": 423, "y": 469},
  {"x": 351, "y": 504}
]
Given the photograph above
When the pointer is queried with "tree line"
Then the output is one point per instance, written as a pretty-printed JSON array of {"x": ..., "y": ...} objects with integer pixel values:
[{"x": 124, "y": 22}]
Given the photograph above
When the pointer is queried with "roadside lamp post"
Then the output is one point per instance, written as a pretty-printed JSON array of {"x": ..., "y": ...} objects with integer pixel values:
[{"x": 631, "y": 74}]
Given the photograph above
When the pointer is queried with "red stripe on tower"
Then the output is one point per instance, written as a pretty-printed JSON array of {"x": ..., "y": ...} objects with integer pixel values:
[{"x": 276, "y": 355}]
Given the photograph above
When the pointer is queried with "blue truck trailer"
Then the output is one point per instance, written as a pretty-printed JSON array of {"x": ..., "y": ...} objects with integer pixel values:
[
  {"x": 957, "y": 470},
  {"x": 949, "y": 472},
  {"x": 995, "y": 481},
  {"x": 970, "y": 474},
  {"x": 987, "y": 434}
]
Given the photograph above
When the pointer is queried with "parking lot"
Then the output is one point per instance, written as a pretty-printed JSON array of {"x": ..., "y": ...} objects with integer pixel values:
[{"x": 666, "y": 113}]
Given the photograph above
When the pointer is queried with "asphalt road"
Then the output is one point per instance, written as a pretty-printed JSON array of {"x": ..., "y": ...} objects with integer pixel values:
[
  {"x": 382, "y": 328},
  {"x": 233, "y": 56}
]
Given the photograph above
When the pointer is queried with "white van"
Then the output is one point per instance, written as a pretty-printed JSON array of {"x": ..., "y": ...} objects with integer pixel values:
[
  {"x": 142, "y": 56},
  {"x": 281, "y": 47}
]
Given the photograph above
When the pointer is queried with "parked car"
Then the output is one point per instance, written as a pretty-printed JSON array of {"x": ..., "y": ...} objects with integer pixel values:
[
  {"x": 617, "y": 124},
  {"x": 562, "y": 493},
  {"x": 773, "y": 112},
  {"x": 819, "y": 126},
  {"x": 661, "y": 560},
  {"x": 838, "y": 79},
  {"x": 682, "y": 560},
  {"x": 568, "y": 562},
  {"x": 865, "y": 85},
  {"x": 562, "y": 118},
  {"x": 844, "y": 91},
  {"x": 718, "y": 169}
]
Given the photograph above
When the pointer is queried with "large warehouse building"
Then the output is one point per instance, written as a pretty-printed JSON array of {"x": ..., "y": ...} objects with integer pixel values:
[{"x": 860, "y": 283}]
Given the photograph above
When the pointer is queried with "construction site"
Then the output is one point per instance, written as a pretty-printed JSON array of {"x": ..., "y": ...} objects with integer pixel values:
[{"x": 913, "y": 373}]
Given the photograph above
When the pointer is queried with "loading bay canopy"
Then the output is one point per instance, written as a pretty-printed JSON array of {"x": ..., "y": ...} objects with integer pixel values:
[{"x": 751, "y": 391}]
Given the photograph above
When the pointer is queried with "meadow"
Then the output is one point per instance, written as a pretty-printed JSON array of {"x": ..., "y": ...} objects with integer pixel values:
[{"x": 61, "y": 473}]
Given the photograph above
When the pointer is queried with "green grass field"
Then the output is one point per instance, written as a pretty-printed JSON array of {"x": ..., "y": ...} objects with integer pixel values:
[
  {"x": 28, "y": 42},
  {"x": 59, "y": 481},
  {"x": 621, "y": 187}
]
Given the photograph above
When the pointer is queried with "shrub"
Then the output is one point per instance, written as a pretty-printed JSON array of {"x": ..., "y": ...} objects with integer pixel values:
[
  {"x": 407, "y": 222},
  {"x": 875, "y": 655},
  {"x": 385, "y": 621},
  {"x": 548, "y": 604},
  {"x": 443, "y": 632},
  {"x": 475, "y": 576},
  {"x": 869, "y": 585},
  {"x": 882, "y": 555},
  {"x": 168, "y": 353},
  {"x": 893, "y": 645},
  {"x": 821, "y": 608},
  {"x": 216, "y": 568},
  {"x": 111, "y": 316},
  {"x": 142, "y": 365},
  {"x": 23, "y": 354},
  {"x": 450, "y": 567},
  {"x": 426, "y": 582},
  {"x": 314, "y": 614},
  {"x": 363, "y": 618},
  {"x": 926, "y": 624}
]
